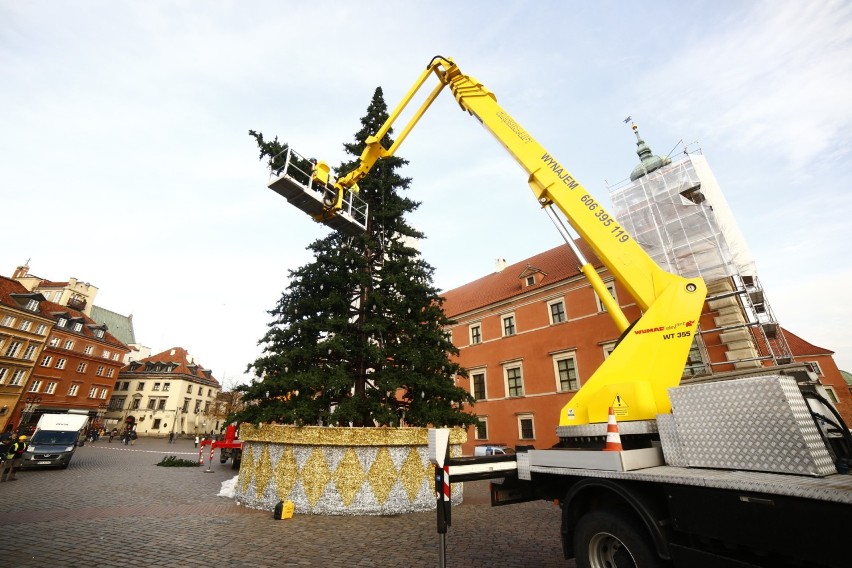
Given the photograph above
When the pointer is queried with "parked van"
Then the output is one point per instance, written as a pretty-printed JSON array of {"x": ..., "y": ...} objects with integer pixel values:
[
  {"x": 492, "y": 450},
  {"x": 54, "y": 440}
]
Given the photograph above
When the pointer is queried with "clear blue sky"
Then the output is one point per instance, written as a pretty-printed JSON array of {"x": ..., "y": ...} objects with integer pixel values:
[{"x": 125, "y": 159}]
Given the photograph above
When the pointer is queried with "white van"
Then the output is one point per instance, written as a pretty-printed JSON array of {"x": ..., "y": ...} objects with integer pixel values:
[
  {"x": 54, "y": 440},
  {"x": 492, "y": 450}
]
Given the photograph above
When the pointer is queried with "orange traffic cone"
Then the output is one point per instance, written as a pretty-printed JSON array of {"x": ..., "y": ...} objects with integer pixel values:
[{"x": 613, "y": 439}]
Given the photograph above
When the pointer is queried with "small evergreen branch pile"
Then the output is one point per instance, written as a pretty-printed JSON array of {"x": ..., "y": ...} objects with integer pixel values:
[{"x": 174, "y": 461}]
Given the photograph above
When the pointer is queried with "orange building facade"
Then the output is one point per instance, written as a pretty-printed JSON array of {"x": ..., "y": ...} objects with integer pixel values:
[{"x": 530, "y": 334}]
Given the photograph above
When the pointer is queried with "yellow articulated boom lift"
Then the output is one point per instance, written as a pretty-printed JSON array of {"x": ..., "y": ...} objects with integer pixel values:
[{"x": 728, "y": 473}]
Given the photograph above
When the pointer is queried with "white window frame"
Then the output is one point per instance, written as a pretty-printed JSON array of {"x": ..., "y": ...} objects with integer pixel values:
[
  {"x": 17, "y": 378},
  {"x": 103, "y": 393},
  {"x": 13, "y": 349},
  {"x": 531, "y": 418},
  {"x": 25, "y": 325},
  {"x": 54, "y": 342},
  {"x": 563, "y": 356},
  {"x": 611, "y": 287},
  {"x": 156, "y": 387},
  {"x": 503, "y": 319},
  {"x": 88, "y": 350},
  {"x": 608, "y": 348},
  {"x": 109, "y": 374},
  {"x": 550, "y": 313},
  {"x": 60, "y": 363},
  {"x": 8, "y": 321},
  {"x": 50, "y": 388},
  {"x": 69, "y": 345},
  {"x": 81, "y": 368},
  {"x": 473, "y": 373},
  {"x": 46, "y": 360},
  {"x": 41, "y": 329},
  {"x": 78, "y": 327},
  {"x": 35, "y": 386},
  {"x": 93, "y": 392},
  {"x": 73, "y": 389},
  {"x": 511, "y": 366},
  {"x": 3, "y": 372},
  {"x": 106, "y": 354},
  {"x": 100, "y": 371},
  {"x": 28, "y": 352},
  {"x": 481, "y": 420},
  {"x": 831, "y": 394},
  {"x": 473, "y": 337}
]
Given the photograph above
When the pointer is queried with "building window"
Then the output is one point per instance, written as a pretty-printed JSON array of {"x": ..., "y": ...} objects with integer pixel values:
[
  {"x": 694, "y": 360},
  {"x": 140, "y": 385},
  {"x": 508, "y": 325},
  {"x": 28, "y": 352},
  {"x": 99, "y": 333},
  {"x": 557, "y": 311},
  {"x": 817, "y": 368},
  {"x": 8, "y": 321},
  {"x": 152, "y": 403},
  {"x": 514, "y": 382},
  {"x": 25, "y": 325},
  {"x": 13, "y": 348},
  {"x": 81, "y": 368},
  {"x": 530, "y": 280},
  {"x": 17, "y": 378},
  {"x": 608, "y": 348},
  {"x": 197, "y": 406},
  {"x": 46, "y": 360},
  {"x": 475, "y": 334},
  {"x": 106, "y": 354},
  {"x": 78, "y": 327},
  {"x": 60, "y": 363},
  {"x": 61, "y": 322},
  {"x": 566, "y": 373},
  {"x": 526, "y": 430},
  {"x": 72, "y": 391},
  {"x": 32, "y": 305},
  {"x": 115, "y": 356},
  {"x": 88, "y": 350},
  {"x": 125, "y": 385},
  {"x": 41, "y": 329},
  {"x": 51, "y": 388},
  {"x": 3, "y": 373},
  {"x": 161, "y": 404},
  {"x": 478, "y": 380},
  {"x": 93, "y": 392},
  {"x": 209, "y": 392},
  {"x": 135, "y": 404},
  {"x": 611, "y": 289},
  {"x": 481, "y": 429},
  {"x": 68, "y": 344},
  {"x": 166, "y": 387},
  {"x": 109, "y": 373},
  {"x": 156, "y": 387},
  {"x": 35, "y": 386},
  {"x": 189, "y": 389},
  {"x": 830, "y": 394},
  {"x": 100, "y": 371},
  {"x": 54, "y": 342},
  {"x": 185, "y": 407}
]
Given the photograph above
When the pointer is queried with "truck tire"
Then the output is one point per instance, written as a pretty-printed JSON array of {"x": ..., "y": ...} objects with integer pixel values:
[{"x": 613, "y": 538}]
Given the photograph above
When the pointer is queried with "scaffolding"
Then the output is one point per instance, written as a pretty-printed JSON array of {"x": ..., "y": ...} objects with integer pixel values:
[{"x": 680, "y": 217}]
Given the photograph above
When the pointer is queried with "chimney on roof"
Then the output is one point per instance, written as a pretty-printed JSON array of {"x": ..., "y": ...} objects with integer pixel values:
[
  {"x": 21, "y": 271},
  {"x": 501, "y": 264}
]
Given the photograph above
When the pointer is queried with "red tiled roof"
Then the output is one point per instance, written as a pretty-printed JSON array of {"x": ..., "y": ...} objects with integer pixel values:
[
  {"x": 558, "y": 263},
  {"x": 48, "y": 309},
  {"x": 180, "y": 357},
  {"x": 801, "y": 348}
]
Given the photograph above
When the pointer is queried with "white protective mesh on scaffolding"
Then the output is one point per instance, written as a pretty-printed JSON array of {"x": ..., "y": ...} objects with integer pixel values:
[{"x": 679, "y": 216}]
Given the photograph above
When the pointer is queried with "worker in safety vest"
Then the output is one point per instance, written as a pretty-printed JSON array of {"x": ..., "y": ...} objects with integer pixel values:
[{"x": 14, "y": 457}]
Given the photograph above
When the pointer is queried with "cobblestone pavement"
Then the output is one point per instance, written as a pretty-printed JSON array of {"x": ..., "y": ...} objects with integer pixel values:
[{"x": 113, "y": 507}]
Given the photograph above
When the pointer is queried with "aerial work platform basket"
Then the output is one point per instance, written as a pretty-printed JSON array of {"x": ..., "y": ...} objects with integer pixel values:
[{"x": 291, "y": 176}]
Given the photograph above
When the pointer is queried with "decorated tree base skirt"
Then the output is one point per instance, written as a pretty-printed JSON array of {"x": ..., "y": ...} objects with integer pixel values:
[{"x": 340, "y": 471}]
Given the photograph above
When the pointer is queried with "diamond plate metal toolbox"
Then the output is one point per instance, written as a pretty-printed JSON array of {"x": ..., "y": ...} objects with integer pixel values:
[{"x": 753, "y": 424}]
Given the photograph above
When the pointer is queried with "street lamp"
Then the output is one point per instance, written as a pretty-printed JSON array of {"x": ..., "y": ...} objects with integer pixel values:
[
  {"x": 30, "y": 405},
  {"x": 102, "y": 408}
]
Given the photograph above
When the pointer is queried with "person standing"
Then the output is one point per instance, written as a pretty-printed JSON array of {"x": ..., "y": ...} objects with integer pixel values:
[
  {"x": 14, "y": 457},
  {"x": 196, "y": 441}
]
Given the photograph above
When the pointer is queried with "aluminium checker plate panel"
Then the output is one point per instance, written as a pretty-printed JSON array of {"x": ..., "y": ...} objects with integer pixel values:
[{"x": 753, "y": 424}]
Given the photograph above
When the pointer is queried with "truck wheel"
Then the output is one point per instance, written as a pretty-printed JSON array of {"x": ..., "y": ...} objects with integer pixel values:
[{"x": 610, "y": 538}]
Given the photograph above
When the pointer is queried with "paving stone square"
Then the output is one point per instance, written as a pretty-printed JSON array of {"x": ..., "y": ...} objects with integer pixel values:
[{"x": 114, "y": 507}]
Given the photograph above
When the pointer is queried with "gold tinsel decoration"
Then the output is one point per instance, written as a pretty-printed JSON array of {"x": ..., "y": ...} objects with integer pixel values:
[
  {"x": 348, "y": 477},
  {"x": 246, "y": 468},
  {"x": 411, "y": 473},
  {"x": 315, "y": 476},
  {"x": 382, "y": 475},
  {"x": 286, "y": 473},
  {"x": 325, "y": 436},
  {"x": 263, "y": 473}
]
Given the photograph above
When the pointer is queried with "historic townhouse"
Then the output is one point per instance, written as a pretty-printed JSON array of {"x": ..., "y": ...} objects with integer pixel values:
[{"x": 167, "y": 393}]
